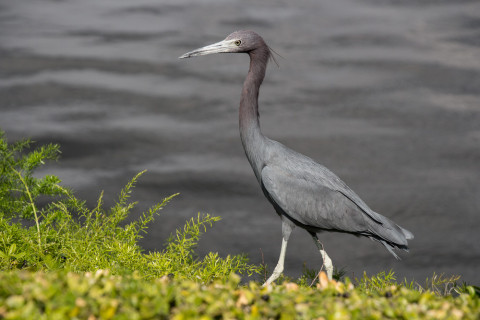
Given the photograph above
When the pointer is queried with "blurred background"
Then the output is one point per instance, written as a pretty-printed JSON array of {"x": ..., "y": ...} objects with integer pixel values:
[{"x": 384, "y": 93}]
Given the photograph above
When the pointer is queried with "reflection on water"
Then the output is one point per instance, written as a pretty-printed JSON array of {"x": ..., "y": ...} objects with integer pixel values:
[{"x": 383, "y": 93}]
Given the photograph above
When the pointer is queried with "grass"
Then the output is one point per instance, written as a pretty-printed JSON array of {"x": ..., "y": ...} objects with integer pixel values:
[{"x": 60, "y": 259}]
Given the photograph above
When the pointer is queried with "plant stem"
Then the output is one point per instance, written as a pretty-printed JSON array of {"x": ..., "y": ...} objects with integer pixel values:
[{"x": 27, "y": 190}]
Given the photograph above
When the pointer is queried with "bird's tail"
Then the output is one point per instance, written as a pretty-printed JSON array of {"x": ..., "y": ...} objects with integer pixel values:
[
  {"x": 391, "y": 235},
  {"x": 408, "y": 235}
]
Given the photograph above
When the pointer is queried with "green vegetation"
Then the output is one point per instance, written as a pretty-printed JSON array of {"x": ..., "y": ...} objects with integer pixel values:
[
  {"x": 100, "y": 295},
  {"x": 66, "y": 235},
  {"x": 61, "y": 260}
]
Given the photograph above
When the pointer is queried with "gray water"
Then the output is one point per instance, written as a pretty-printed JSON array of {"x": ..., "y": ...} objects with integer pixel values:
[{"x": 384, "y": 93}]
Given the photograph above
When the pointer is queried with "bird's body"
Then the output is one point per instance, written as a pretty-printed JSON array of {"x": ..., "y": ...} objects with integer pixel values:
[
  {"x": 303, "y": 192},
  {"x": 314, "y": 198}
]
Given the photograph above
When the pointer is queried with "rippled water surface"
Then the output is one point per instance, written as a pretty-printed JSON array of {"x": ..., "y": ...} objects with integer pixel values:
[{"x": 384, "y": 93}]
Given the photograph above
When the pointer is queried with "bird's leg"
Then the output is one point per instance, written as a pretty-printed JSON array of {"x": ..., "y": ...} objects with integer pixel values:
[
  {"x": 327, "y": 262},
  {"x": 279, "y": 268},
  {"x": 287, "y": 228}
]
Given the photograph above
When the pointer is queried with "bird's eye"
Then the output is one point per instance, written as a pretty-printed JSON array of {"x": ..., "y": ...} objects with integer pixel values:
[{"x": 238, "y": 43}]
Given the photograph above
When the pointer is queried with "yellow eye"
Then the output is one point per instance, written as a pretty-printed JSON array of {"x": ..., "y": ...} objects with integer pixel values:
[{"x": 238, "y": 43}]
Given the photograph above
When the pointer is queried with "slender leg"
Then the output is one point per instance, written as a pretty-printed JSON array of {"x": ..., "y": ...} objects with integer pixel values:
[
  {"x": 287, "y": 228},
  {"x": 327, "y": 262}
]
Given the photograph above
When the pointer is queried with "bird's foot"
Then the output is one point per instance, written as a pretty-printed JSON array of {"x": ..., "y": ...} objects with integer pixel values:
[{"x": 276, "y": 273}]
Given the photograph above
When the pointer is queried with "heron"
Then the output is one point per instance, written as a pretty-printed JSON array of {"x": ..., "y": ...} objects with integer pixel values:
[{"x": 304, "y": 193}]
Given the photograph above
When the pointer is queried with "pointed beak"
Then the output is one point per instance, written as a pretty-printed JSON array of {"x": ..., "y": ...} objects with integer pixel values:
[{"x": 219, "y": 47}]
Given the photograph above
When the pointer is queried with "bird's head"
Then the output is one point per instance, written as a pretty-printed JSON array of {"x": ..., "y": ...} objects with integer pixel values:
[{"x": 238, "y": 41}]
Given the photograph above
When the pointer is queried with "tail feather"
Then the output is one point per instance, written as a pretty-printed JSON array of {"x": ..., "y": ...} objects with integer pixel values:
[
  {"x": 391, "y": 235},
  {"x": 390, "y": 246},
  {"x": 408, "y": 235},
  {"x": 390, "y": 232},
  {"x": 390, "y": 249}
]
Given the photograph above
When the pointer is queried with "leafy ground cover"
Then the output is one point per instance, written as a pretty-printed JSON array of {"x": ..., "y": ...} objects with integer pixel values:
[
  {"x": 60, "y": 259},
  {"x": 100, "y": 295}
]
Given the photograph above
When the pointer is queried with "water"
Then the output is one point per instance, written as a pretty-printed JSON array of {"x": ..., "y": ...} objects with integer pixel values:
[{"x": 385, "y": 94}]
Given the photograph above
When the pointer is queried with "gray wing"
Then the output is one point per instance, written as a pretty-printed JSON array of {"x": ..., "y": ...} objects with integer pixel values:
[{"x": 314, "y": 200}]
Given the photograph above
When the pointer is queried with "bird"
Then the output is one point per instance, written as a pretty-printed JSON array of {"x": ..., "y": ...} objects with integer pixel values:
[{"x": 304, "y": 193}]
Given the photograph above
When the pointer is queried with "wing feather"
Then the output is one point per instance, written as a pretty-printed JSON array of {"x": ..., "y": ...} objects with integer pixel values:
[
  {"x": 316, "y": 198},
  {"x": 311, "y": 203}
]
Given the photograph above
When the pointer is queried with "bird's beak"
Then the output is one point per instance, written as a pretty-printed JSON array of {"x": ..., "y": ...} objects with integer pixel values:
[{"x": 219, "y": 47}]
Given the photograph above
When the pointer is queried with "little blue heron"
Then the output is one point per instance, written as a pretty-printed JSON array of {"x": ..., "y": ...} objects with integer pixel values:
[{"x": 303, "y": 192}]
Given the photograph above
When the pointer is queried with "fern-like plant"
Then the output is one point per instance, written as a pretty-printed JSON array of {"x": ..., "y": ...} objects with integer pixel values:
[{"x": 68, "y": 235}]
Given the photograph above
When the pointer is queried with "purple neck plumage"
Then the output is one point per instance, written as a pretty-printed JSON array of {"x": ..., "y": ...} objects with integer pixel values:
[{"x": 252, "y": 138}]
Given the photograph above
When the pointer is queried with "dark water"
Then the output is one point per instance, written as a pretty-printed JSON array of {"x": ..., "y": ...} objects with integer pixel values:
[{"x": 384, "y": 93}]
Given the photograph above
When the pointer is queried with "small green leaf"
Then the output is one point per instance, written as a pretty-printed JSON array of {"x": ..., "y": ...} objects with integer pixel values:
[{"x": 12, "y": 249}]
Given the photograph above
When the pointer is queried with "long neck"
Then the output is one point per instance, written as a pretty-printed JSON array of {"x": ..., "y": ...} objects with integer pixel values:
[{"x": 252, "y": 138}]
